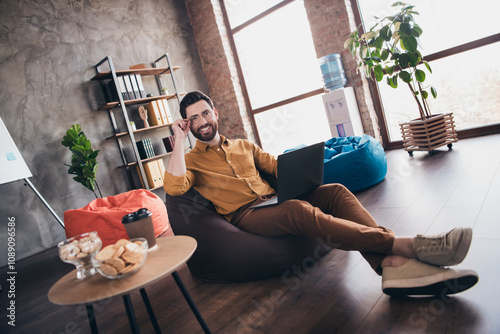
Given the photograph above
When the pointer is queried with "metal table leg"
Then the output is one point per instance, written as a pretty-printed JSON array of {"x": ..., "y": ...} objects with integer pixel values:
[
  {"x": 130, "y": 313},
  {"x": 190, "y": 301},
  {"x": 91, "y": 315},
  {"x": 150, "y": 311}
]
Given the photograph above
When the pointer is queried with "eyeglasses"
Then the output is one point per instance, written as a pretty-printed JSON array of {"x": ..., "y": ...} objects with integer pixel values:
[{"x": 207, "y": 115}]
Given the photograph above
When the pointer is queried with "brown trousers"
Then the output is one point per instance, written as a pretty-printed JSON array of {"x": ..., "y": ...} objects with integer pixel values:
[{"x": 330, "y": 213}]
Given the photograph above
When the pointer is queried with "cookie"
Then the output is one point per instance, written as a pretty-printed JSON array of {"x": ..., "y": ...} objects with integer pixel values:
[
  {"x": 129, "y": 268},
  {"x": 105, "y": 253},
  {"x": 121, "y": 242},
  {"x": 119, "y": 251},
  {"x": 108, "y": 269},
  {"x": 132, "y": 247},
  {"x": 116, "y": 263},
  {"x": 133, "y": 257},
  {"x": 81, "y": 255}
]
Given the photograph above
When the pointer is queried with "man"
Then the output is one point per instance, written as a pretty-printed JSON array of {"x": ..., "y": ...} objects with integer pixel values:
[{"x": 227, "y": 172}]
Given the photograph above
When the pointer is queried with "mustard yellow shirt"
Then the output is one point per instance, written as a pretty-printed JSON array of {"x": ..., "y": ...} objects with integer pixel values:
[{"x": 228, "y": 175}]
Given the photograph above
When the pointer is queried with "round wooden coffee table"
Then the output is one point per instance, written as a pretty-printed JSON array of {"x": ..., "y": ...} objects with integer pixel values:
[{"x": 171, "y": 253}]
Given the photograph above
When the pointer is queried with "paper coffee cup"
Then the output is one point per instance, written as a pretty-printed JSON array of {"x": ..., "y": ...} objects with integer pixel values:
[{"x": 140, "y": 225}]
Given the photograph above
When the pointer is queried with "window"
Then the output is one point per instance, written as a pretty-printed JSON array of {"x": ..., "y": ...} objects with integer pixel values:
[
  {"x": 280, "y": 71},
  {"x": 467, "y": 80}
]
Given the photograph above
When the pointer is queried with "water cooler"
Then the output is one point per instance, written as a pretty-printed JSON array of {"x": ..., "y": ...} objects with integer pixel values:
[
  {"x": 343, "y": 113},
  {"x": 340, "y": 103}
]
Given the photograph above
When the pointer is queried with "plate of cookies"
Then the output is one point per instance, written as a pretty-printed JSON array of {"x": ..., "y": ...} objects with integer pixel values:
[{"x": 122, "y": 258}]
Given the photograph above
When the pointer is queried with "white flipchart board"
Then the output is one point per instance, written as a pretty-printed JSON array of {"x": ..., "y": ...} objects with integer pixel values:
[{"x": 12, "y": 165}]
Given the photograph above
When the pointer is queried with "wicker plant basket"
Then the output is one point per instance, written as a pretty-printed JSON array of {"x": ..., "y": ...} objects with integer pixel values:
[{"x": 429, "y": 134}]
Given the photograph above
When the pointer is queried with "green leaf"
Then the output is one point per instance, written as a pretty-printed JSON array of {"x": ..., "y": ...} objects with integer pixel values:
[
  {"x": 379, "y": 42},
  {"x": 413, "y": 59},
  {"x": 403, "y": 60},
  {"x": 410, "y": 43},
  {"x": 405, "y": 76},
  {"x": 71, "y": 135},
  {"x": 385, "y": 33},
  {"x": 416, "y": 31},
  {"x": 393, "y": 81},
  {"x": 428, "y": 66},
  {"x": 384, "y": 55},
  {"x": 405, "y": 28},
  {"x": 368, "y": 35},
  {"x": 425, "y": 95},
  {"x": 378, "y": 72},
  {"x": 348, "y": 43},
  {"x": 434, "y": 92},
  {"x": 420, "y": 75},
  {"x": 389, "y": 69},
  {"x": 398, "y": 3}
]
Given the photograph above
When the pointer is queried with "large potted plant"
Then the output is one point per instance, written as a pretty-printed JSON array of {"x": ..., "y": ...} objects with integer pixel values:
[{"x": 391, "y": 49}]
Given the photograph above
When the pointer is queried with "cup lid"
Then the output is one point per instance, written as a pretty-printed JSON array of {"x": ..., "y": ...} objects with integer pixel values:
[{"x": 135, "y": 216}]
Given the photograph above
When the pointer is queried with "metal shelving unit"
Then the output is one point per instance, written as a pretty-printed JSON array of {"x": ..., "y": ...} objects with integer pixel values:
[{"x": 113, "y": 74}]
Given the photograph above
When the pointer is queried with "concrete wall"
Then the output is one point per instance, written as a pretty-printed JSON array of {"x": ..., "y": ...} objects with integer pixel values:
[{"x": 47, "y": 53}]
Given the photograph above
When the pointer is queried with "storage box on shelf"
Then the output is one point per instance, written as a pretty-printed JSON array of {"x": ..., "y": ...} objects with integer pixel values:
[{"x": 124, "y": 89}]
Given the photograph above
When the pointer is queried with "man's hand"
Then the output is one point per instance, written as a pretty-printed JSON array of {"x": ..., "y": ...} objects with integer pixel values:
[{"x": 181, "y": 129}]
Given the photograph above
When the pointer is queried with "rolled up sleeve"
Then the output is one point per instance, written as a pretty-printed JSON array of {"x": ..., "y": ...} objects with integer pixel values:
[
  {"x": 265, "y": 161},
  {"x": 178, "y": 185}
]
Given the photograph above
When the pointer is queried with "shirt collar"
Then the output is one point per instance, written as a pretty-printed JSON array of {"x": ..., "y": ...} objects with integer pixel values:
[{"x": 204, "y": 146}]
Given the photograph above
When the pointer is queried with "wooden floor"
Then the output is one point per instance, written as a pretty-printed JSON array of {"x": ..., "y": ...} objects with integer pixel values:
[{"x": 339, "y": 294}]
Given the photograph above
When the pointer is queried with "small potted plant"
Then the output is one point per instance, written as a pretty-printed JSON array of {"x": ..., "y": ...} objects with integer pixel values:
[
  {"x": 391, "y": 49},
  {"x": 83, "y": 160}
]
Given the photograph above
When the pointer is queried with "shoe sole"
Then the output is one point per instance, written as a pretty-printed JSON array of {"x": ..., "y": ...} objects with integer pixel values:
[{"x": 440, "y": 284}]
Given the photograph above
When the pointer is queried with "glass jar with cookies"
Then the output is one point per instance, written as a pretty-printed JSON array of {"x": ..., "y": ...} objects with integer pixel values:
[
  {"x": 122, "y": 258},
  {"x": 79, "y": 251}
]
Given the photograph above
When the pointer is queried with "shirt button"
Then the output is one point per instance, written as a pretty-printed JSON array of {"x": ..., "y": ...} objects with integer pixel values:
[
  {"x": 229, "y": 161},
  {"x": 218, "y": 149},
  {"x": 237, "y": 175},
  {"x": 250, "y": 183}
]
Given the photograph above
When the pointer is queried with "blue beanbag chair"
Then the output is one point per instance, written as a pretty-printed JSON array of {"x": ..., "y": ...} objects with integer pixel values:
[{"x": 356, "y": 162}]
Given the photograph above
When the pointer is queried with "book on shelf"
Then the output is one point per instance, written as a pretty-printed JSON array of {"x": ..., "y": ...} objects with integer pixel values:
[
  {"x": 154, "y": 172},
  {"x": 145, "y": 148},
  {"x": 167, "y": 110},
  {"x": 169, "y": 143},
  {"x": 135, "y": 86},
  {"x": 163, "y": 114},
  {"x": 140, "y": 85},
  {"x": 123, "y": 88},
  {"x": 161, "y": 168},
  {"x": 154, "y": 114},
  {"x": 150, "y": 147},
  {"x": 110, "y": 91},
  {"x": 128, "y": 86}
]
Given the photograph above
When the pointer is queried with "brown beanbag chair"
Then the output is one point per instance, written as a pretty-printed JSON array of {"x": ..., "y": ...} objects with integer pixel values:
[
  {"x": 228, "y": 254},
  {"x": 104, "y": 215}
]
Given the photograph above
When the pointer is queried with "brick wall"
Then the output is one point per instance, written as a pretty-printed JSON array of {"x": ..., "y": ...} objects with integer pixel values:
[
  {"x": 219, "y": 68},
  {"x": 331, "y": 22}
]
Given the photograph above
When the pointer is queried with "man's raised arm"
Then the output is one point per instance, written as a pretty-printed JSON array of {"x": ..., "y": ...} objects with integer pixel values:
[{"x": 177, "y": 164}]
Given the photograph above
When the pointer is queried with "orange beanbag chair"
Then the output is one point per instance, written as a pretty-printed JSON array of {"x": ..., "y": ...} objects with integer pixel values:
[{"x": 104, "y": 215}]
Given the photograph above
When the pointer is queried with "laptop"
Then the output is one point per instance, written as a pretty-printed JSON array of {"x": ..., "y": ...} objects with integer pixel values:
[{"x": 299, "y": 171}]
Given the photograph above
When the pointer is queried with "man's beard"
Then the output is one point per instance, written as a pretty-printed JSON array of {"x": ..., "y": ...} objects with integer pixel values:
[{"x": 206, "y": 135}]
